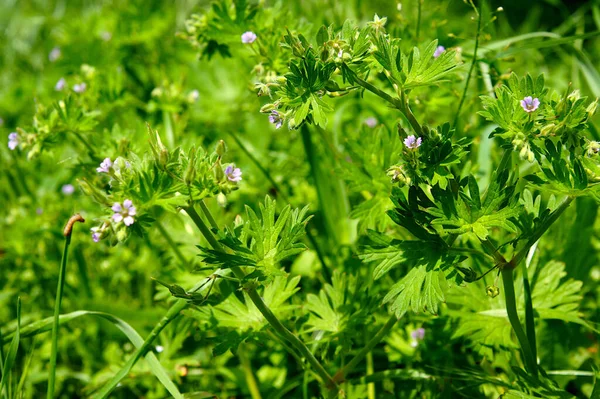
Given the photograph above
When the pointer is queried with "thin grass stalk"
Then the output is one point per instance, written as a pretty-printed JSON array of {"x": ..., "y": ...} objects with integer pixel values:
[{"x": 57, "y": 304}]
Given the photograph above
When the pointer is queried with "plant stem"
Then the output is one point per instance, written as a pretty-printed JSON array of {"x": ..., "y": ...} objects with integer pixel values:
[
  {"x": 513, "y": 317},
  {"x": 396, "y": 102},
  {"x": 529, "y": 316},
  {"x": 203, "y": 227},
  {"x": 464, "y": 95},
  {"x": 371, "y": 386},
  {"x": 171, "y": 243},
  {"x": 288, "y": 335},
  {"x": 250, "y": 379},
  {"x": 263, "y": 308},
  {"x": 209, "y": 216},
  {"x": 540, "y": 231},
  {"x": 280, "y": 192},
  {"x": 493, "y": 251},
  {"x": 341, "y": 374},
  {"x": 59, "y": 294}
]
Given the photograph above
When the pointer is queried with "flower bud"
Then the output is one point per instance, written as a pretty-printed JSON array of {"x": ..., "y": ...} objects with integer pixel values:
[
  {"x": 221, "y": 200},
  {"x": 574, "y": 96},
  {"x": 221, "y": 148},
  {"x": 267, "y": 108},
  {"x": 122, "y": 234},
  {"x": 190, "y": 172},
  {"x": 92, "y": 191},
  {"x": 219, "y": 174},
  {"x": 548, "y": 129},
  {"x": 238, "y": 221},
  {"x": 591, "y": 109}
]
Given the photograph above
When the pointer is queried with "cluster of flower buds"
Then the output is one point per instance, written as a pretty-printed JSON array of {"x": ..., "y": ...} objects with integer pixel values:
[
  {"x": 520, "y": 144},
  {"x": 399, "y": 174}
]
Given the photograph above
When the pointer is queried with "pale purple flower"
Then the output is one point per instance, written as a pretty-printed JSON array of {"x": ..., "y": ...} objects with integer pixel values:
[
  {"x": 39, "y": 211},
  {"x": 124, "y": 212},
  {"x": 530, "y": 104},
  {"x": 13, "y": 140},
  {"x": 68, "y": 189},
  {"x": 104, "y": 166},
  {"x": 371, "y": 122},
  {"x": 79, "y": 88},
  {"x": 95, "y": 234},
  {"x": 340, "y": 53},
  {"x": 412, "y": 142},
  {"x": 54, "y": 54},
  {"x": 276, "y": 119},
  {"x": 417, "y": 335},
  {"x": 233, "y": 173},
  {"x": 60, "y": 85},
  {"x": 438, "y": 51},
  {"x": 248, "y": 37}
]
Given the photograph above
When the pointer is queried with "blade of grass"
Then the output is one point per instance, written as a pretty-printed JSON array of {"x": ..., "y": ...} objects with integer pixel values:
[
  {"x": 11, "y": 355},
  {"x": 42, "y": 326}
]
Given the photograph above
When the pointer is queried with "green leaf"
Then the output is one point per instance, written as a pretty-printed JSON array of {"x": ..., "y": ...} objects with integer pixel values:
[
  {"x": 11, "y": 355},
  {"x": 242, "y": 314}
]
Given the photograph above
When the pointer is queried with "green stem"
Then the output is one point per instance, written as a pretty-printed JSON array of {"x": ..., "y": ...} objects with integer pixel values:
[
  {"x": 513, "y": 317},
  {"x": 172, "y": 244},
  {"x": 263, "y": 308},
  {"x": 57, "y": 303},
  {"x": 203, "y": 227},
  {"x": 288, "y": 335},
  {"x": 396, "y": 102},
  {"x": 209, "y": 216},
  {"x": 86, "y": 143},
  {"x": 280, "y": 192},
  {"x": 464, "y": 95},
  {"x": 539, "y": 232},
  {"x": 529, "y": 316},
  {"x": 249, "y": 375},
  {"x": 341, "y": 374},
  {"x": 371, "y": 386},
  {"x": 493, "y": 251}
]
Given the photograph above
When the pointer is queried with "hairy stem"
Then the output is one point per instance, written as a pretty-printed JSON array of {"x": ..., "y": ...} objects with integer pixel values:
[
  {"x": 464, "y": 95},
  {"x": 172, "y": 244},
  {"x": 263, "y": 308},
  {"x": 513, "y": 317},
  {"x": 341, "y": 374},
  {"x": 209, "y": 216},
  {"x": 401, "y": 105}
]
